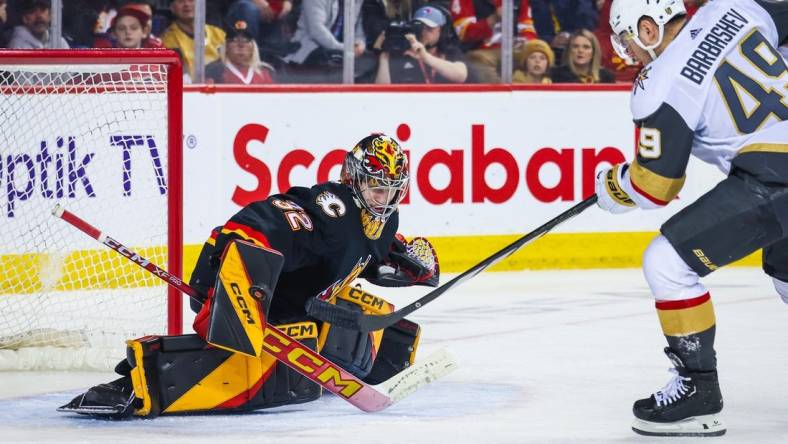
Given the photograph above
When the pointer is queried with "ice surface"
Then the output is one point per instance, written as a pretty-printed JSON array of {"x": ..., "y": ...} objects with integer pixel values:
[{"x": 545, "y": 357}]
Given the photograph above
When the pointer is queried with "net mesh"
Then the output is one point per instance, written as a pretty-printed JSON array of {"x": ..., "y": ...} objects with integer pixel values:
[{"x": 92, "y": 138}]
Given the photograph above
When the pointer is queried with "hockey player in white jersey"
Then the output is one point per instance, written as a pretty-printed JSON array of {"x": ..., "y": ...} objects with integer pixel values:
[{"x": 715, "y": 87}]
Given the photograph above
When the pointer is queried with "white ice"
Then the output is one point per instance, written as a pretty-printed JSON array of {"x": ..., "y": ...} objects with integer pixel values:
[{"x": 545, "y": 357}]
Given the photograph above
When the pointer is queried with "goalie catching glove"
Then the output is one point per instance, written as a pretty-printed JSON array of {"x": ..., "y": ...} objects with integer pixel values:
[{"x": 411, "y": 262}]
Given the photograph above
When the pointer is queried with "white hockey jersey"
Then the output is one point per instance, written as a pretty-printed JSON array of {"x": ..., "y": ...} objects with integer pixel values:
[{"x": 719, "y": 91}]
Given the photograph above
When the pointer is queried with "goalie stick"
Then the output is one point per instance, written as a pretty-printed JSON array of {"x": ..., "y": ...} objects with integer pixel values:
[
  {"x": 369, "y": 398},
  {"x": 320, "y": 308}
]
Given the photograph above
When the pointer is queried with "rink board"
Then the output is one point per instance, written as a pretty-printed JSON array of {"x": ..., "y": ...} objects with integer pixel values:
[{"x": 488, "y": 164}]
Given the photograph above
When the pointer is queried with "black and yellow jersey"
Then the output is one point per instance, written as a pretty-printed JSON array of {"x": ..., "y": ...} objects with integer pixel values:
[{"x": 319, "y": 232}]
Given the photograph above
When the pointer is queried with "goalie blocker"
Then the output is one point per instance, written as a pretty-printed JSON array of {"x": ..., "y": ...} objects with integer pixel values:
[{"x": 225, "y": 367}]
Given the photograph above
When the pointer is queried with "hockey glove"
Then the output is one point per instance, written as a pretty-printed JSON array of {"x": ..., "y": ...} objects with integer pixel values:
[
  {"x": 408, "y": 263},
  {"x": 611, "y": 196}
]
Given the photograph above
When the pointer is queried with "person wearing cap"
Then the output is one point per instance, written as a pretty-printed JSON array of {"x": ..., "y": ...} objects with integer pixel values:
[
  {"x": 240, "y": 64},
  {"x": 432, "y": 58},
  {"x": 128, "y": 30},
  {"x": 534, "y": 63},
  {"x": 180, "y": 35},
  {"x": 33, "y": 33}
]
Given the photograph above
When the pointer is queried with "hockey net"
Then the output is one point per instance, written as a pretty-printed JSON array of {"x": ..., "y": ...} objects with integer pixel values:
[{"x": 98, "y": 132}]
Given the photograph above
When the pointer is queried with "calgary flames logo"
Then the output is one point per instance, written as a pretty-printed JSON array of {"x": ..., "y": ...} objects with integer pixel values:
[{"x": 386, "y": 157}]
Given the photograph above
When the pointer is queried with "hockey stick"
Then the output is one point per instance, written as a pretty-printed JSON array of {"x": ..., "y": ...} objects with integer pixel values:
[
  {"x": 321, "y": 309},
  {"x": 369, "y": 398}
]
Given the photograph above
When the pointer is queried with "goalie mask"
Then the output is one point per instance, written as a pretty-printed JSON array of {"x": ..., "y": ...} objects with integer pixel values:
[
  {"x": 376, "y": 170},
  {"x": 625, "y": 15}
]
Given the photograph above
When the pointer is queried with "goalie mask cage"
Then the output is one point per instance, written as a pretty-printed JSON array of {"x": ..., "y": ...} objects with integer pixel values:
[{"x": 99, "y": 132}]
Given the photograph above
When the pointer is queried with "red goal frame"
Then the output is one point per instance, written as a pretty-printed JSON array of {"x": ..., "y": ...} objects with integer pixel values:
[{"x": 174, "y": 70}]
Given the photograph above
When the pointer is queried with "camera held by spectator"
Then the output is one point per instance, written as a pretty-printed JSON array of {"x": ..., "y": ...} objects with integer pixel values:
[
  {"x": 395, "y": 40},
  {"x": 431, "y": 54}
]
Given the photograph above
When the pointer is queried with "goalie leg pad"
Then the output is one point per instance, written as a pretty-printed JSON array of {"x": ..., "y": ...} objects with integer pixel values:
[{"x": 183, "y": 374}]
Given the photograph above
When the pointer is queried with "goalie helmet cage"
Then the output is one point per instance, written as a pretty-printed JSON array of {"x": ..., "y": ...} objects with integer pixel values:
[{"x": 100, "y": 132}]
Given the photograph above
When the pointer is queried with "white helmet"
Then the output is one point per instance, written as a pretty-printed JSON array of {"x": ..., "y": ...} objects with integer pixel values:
[{"x": 625, "y": 15}]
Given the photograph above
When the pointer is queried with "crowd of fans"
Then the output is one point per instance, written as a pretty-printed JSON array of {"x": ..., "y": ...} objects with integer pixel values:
[{"x": 301, "y": 41}]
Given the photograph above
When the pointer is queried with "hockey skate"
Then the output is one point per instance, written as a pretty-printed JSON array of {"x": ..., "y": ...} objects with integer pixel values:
[
  {"x": 687, "y": 406},
  {"x": 114, "y": 400}
]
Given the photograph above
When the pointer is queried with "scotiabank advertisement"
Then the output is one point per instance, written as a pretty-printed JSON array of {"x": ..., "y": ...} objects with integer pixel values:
[{"x": 482, "y": 162}]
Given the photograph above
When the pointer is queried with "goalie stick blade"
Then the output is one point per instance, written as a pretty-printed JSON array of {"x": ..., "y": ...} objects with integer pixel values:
[
  {"x": 342, "y": 317},
  {"x": 406, "y": 382}
]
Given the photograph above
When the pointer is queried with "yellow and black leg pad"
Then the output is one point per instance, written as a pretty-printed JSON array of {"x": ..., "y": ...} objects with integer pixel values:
[
  {"x": 377, "y": 355},
  {"x": 181, "y": 374}
]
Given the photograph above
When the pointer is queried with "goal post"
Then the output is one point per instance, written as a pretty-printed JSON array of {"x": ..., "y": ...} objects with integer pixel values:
[{"x": 100, "y": 132}]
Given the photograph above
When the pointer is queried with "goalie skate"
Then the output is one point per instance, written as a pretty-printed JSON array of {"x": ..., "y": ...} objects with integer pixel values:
[{"x": 114, "y": 400}]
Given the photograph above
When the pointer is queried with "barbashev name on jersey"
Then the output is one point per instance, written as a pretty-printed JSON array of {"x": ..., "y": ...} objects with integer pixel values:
[{"x": 712, "y": 45}]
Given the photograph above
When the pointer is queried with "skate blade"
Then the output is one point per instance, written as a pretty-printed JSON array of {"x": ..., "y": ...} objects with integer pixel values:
[
  {"x": 96, "y": 411},
  {"x": 707, "y": 425}
]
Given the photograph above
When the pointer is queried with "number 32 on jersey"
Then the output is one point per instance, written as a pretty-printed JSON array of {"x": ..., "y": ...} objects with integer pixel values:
[{"x": 294, "y": 214}]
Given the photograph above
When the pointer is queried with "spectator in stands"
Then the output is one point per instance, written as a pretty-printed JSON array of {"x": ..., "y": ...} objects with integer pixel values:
[
  {"x": 180, "y": 35},
  {"x": 533, "y": 63},
  {"x": 269, "y": 21},
  {"x": 3, "y": 22},
  {"x": 624, "y": 70},
  {"x": 569, "y": 15},
  {"x": 319, "y": 33},
  {"x": 81, "y": 22},
  {"x": 129, "y": 29},
  {"x": 33, "y": 33},
  {"x": 146, "y": 7},
  {"x": 433, "y": 57},
  {"x": 582, "y": 61},
  {"x": 478, "y": 25},
  {"x": 240, "y": 64},
  {"x": 3, "y": 12}
]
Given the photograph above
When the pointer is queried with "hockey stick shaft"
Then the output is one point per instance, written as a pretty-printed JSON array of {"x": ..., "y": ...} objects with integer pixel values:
[
  {"x": 124, "y": 251},
  {"x": 293, "y": 353},
  {"x": 336, "y": 315}
]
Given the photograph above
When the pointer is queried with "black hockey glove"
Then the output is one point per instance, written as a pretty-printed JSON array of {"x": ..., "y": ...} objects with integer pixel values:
[{"x": 408, "y": 263}]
